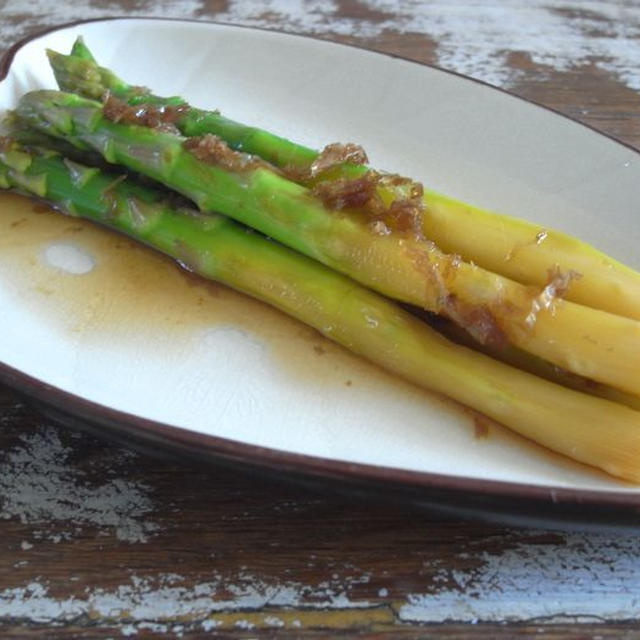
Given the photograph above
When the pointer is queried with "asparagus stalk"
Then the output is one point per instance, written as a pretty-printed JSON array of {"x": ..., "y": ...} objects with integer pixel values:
[
  {"x": 78, "y": 74},
  {"x": 588, "y": 342},
  {"x": 587, "y": 429},
  {"x": 506, "y": 245},
  {"x": 30, "y": 138},
  {"x": 521, "y": 360}
]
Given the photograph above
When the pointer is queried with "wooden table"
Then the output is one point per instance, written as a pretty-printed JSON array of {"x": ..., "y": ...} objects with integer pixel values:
[{"x": 103, "y": 542}]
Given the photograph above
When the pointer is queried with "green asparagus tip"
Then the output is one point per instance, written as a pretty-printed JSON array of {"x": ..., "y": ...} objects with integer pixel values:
[{"x": 80, "y": 50}]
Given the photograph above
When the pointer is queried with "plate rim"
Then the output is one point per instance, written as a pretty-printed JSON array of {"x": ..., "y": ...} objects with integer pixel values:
[{"x": 282, "y": 461}]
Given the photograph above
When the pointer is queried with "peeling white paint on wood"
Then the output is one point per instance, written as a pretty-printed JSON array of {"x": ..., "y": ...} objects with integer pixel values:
[
  {"x": 475, "y": 37},
  {"x": 580, "y": 575},
  {"x": 585, "y": 577},
  {"x": 472, "y": 37},
  {"x": 543, "y": 577},
  {"x": 42, "y": 487},
  {"x": 167, "y": 598}
]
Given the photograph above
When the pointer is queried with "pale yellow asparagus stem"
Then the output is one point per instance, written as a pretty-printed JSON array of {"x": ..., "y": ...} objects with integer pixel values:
[
  {"x": 511, "y": 247},
  {"x": 589, "y": 342},
  {"x": 588, "y": 429},
  {"x": 525, "y": 252},
  {"x": 526, "y": 362},
  {"x": 592, "y": 343}
]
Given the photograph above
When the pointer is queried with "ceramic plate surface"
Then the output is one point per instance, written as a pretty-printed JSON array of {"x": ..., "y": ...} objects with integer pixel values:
[{"x": 84, "y": 312}]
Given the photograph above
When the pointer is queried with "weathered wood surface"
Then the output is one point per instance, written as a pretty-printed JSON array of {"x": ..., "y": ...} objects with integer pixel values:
[{"x": 102, "y": 542}]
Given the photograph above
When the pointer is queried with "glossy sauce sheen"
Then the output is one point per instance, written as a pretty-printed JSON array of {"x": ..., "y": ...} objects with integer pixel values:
[{"x": 132, "y": 290}]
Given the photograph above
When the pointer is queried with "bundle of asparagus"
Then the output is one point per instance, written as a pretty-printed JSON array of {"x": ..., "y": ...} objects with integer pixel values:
[
  {"x": 351, "y": 232},
  {"x": 509, "y": 246}
]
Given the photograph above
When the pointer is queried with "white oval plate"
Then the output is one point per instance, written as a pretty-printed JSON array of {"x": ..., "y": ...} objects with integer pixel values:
[{"x": 130, "y": 336}]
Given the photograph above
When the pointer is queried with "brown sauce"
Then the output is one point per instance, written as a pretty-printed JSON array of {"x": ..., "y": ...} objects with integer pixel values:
[
  {"x": 162, "y": 118},
  {"x": 132, "y": 289},
  {"x": 481, "y": 426},
  {"x": 403, "y": 215},
  {"x": 335, "y": 154},
  {"x": 213, "y": 150}
]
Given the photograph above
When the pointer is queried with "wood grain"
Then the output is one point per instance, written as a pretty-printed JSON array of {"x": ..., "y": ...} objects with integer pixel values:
[{"x": 185, "y": 550}]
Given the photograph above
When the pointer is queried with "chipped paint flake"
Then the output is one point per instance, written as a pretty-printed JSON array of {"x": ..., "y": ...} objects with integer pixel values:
[
  {"x": 583, "y": 577},
  {"x": 40, "y": 485},
  {"x": 472, "y": 37},
  {"x": 165, "y": 599}
]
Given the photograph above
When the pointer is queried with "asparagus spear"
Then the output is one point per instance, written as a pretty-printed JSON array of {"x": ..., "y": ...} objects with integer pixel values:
[
  {"x": 586, "y": 341},
  {"x": 31, "y": 138},
  {"x": 77, "y": 74},
  {"x": 509, "y": 355},
  {"x": 512, "y": 247},
  {"x": 588, "y": 429},
  {"x": 521, "y": 360}
]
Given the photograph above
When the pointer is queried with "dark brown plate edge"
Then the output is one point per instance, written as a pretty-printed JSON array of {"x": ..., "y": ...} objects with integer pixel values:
[{"x": 511, "y": 503}]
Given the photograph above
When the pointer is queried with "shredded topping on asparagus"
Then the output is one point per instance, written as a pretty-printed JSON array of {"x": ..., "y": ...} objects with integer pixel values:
[
  {"x": 335, "y": 154},
  {"x": 213, "y": 150},
  {"x": 557, "y": 286},
  {"x": 403, "y": 214},
  {"x": 162, "y": 118},
  {"x": 343, "y": 193},
  {"x": 482, "y": 321},
  {"x": 478, "y": 320}
]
